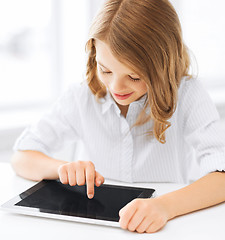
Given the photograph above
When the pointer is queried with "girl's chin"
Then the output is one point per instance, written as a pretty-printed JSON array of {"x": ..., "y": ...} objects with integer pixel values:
[{"x": 122, "y": 102}]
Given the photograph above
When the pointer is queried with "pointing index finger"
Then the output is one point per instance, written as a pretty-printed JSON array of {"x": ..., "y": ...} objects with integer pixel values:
[{"x": 90, "y": 180}]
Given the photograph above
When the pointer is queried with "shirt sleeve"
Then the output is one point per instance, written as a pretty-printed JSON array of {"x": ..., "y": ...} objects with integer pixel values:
[
  {"x": 55, "y": 129},
  {"x": 201, "y": 127}
]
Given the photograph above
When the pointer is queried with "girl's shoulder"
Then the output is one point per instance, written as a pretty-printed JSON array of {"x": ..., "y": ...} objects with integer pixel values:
[
  {"x": 190, "y": 84},
  {"x": 194, "y": 102},
  {"x": 75, "y": 96},
  {"x": 192, "y": 90},
  {"x": 77, "y": 89},
  {"x": 78, "y": 92}
]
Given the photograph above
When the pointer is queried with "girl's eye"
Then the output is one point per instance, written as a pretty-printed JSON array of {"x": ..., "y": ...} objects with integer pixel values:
[
  {"x": 134, "y": 79},
  {"x": 104, "y": 72}
]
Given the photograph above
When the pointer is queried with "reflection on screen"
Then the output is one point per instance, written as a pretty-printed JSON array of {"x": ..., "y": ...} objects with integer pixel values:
[{"x": 57, "y": 198}]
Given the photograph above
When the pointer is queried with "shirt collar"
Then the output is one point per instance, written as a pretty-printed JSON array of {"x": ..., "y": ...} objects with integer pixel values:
[
  {"x": 141, "y": 102},
  {"x": 108, "y": 101}
]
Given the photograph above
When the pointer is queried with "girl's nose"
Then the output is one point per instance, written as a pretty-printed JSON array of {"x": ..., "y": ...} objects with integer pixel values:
[{"x": 117, "y": 84}]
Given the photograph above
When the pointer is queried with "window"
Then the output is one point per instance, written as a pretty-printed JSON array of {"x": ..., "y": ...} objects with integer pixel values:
[
  {"x": 203, "y": 24},
  {"x": 26, "y": 52},
  {"x": 42, "y": 50}
]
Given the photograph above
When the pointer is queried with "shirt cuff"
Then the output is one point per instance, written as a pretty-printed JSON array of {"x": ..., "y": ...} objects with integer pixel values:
[
  {"x": 212, "y": 163},
  {"x": 26, "y": 142}
]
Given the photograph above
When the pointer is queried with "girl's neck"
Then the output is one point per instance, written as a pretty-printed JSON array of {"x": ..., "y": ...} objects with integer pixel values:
[{"x": 123, "y": 109}]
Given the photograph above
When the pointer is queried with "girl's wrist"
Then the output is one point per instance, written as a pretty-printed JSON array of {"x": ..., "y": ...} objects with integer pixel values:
[
  {"x": 53, "y": 171},
  {"x": 168, "y": 205}
]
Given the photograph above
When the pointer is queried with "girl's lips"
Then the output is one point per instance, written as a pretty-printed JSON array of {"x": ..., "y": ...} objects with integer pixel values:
[{"x": 122, "y": 97}]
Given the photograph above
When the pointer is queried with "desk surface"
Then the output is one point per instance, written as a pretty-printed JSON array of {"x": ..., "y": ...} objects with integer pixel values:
[{"x": 205, "y": 224}]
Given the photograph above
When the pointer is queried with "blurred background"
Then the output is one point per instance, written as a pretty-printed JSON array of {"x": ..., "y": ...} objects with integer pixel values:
[{"x": 42, "y": 51}]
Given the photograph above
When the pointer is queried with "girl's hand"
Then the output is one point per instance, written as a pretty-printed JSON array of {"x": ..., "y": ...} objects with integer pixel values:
[
  {"x": 143, "y": 215},
  {"x": 79, "y": 173}
]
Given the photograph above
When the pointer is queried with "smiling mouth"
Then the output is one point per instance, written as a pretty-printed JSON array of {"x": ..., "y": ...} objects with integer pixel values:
[{"x": 122, "y": 96}]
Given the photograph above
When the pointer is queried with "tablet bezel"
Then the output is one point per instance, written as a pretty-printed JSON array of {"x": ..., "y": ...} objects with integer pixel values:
[{"x": 11, "y": 206}]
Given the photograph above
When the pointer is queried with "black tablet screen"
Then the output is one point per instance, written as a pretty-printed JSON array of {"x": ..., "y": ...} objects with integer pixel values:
[{"x": 55, "y": 197}]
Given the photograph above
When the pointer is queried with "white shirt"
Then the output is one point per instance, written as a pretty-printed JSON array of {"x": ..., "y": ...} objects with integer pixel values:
[{"x": 121, "y": 152}]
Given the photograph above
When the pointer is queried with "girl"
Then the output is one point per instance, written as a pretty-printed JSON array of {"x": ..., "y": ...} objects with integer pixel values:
[{"x": 141, "y": 117}]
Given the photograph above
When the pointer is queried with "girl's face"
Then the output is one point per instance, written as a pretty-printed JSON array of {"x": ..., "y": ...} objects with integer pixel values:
[{"x": 123, "y": 83}]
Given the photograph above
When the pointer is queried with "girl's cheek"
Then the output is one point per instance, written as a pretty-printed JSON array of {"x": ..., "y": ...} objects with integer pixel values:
[{"x": 102, "y": 80}]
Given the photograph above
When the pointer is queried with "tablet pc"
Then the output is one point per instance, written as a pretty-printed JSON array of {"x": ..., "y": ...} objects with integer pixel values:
[{"x": 52, "y": 199}]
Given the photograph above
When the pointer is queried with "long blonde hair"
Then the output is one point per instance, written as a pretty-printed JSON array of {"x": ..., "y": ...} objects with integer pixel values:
[{"x": 145, "y": 35}]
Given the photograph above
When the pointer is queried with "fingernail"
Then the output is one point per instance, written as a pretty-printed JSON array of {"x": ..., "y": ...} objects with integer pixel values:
[
  {"x": 90, "y": 195},
  {"x": 99, "y": 182}
]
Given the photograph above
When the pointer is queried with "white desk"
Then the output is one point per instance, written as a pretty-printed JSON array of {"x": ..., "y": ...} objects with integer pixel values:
[{"x": 202, "y": 225}]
